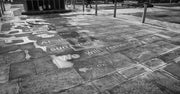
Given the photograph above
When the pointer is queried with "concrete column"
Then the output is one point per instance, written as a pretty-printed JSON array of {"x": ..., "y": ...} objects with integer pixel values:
[
  {"x": 144, "y": 13},
  {"x": 0, "y": 13},
  {"x": 1, "y": 5},
  {"x": 115, "y": 8},
  {"x": 96, "y": 8}
]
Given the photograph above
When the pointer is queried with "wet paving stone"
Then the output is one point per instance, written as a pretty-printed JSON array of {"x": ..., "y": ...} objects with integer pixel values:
[
  {"x": 173, "y": 69},
  {"x": 33, "y": 37},
  {"x": 44, "y": 65},
  {"x": 109, "y": 81},
  {"x": 27, "y": 46},
  {"x": 15, "y": 57},
  {"x": 54, "y": 82},
  {"x": 170, "y": 56},
  {"x": 60, "y": 49},
  {"x": 81, "y": 44},
  {"x": 166, "y": 83},
  {"x": 155, "y": 48},
  {"x": 51, "y": 41},
  {"x": 2, "y": 61},
  {"x": 123, "y": 45},
  {"x": 78, "y": 43},
  {"x": 133, "y": 72},
  {"x": 154, "y": 63},
  {"x": 22, "y": 35},
  {"x": 83, "y": 37},
  {"x": 70, "y": 34},
  {"x": 8, "y": 49},
  {"x": 92, "y": 52},
  {"x": 39, "y": 29},
  {"x": 177, "y": 60},
  {"x": 36, "y": 53},
  {"x": 149, "y": 38},
  {"x": 15, "y": 42},
  {"x": 23, "y": 28},
  {"x": 93, "y": 68},
  {"x": 140, "y": 33},
  {"x": 116, "y": 47},
  {"x": 95, "y": 62},
  {"x": 136, "y": 87},
  {"x": 13, "y": 32},
  {"x": 177, "y": 51},
  {"x": 105, "y": 92},
  {"x": 139, "y": 54},
  {"x": 165, "y": 45},
  {"x": 9, "y": 88},
  {"x": 4, "y": 74},
  {"x": 120, "y": 61},
  {"x": 21, "y": 70},
  {"x": 6, "y": 26},
  {"x": 133, "y": 42},
  {"x": 111, "y": 38},
  {"x": 168, "y": 33},
  {"x": 51, "y": 35},
  {"x": 5, "y": 36},
  {"x": 175, "y": 40},
  {"x": 87, "y": 88},
  {"x": 118, "y": 76},
  {"x": 160, "y": 47}
]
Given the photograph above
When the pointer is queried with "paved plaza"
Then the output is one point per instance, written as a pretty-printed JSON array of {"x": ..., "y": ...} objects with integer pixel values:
[{"x": 80, "y": 53}]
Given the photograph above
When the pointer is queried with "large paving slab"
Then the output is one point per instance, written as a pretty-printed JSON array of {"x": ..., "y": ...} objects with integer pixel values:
[
  {"x": 21, "y": 70},
  {"x": 53, "y": 82},
  {"x": 87, "y": 88},
  {"x": 140, "y": 54},
  {"x": 120, "y": 61},
  {"x": 44, "y": 65},
  {"x": 164, "y": 81},
  {"x": 173, "y": 69},
  {"x": 9, "y": 88},
  {"x": 109, "y": 81},
  {"x": 15, "y": 57},
  {"x": 94, "y": 68},
  {"x": 136, "y": 87}
]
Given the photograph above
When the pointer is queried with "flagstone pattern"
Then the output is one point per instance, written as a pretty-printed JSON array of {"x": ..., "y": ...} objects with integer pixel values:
[{"x": 86, "y": 54}]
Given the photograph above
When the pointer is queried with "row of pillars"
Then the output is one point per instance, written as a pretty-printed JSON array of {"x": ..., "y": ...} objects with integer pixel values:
[
  {"x": 40, "y": 5},
  {"x": 96, "y": 6},
  {"x": 115, "y": 8},
  {"x": 2, "y": 8}
]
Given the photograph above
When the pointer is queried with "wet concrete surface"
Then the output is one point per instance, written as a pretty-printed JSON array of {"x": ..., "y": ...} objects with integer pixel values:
[{"x": 87, "y": 54}]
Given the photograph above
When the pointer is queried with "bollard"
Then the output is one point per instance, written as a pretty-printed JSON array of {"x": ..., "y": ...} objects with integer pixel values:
[
  {"x": 74, "y": 2},
  {"x": 115, "y": 8},
  {"x": 4, "y": 6},
  {"x": 83, "y": 5},
  {"x": 150, "y": 1},
  {"x": 144, "y": 13},
  {"x": 0, "y": 13},
  {"x": 96, "y": 8},
  {"x": 1, "y": 5}
]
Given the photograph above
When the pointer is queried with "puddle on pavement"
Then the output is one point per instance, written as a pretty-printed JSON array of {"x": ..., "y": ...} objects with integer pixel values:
[{"x": 161, "y": 15}]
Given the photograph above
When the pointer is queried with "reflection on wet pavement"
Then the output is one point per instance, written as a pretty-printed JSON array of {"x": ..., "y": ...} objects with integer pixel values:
[{"x": 86, "y": 54}]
